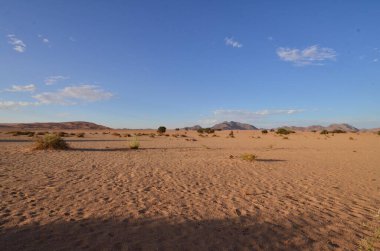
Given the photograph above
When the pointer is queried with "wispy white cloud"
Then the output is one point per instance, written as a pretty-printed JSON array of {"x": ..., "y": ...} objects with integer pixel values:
[
  {"x": 54, "y": 79},
  {"x": 44, "y": 39},
  {"x": 18, "y": 44},
  {"x": 312, "y": 55},
  {"x": 72, "y": 94},
  {"x": 22, "y": 88},
  {"x": 8, "y": 105},
  {"x": 230, "y": 41}
]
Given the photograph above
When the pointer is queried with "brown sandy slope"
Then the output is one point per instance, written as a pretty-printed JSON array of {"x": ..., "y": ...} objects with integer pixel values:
[{"x": 310, "y": 192}]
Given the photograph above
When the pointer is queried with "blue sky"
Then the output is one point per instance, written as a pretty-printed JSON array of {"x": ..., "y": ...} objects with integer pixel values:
[{"x": 141, "y": 64}]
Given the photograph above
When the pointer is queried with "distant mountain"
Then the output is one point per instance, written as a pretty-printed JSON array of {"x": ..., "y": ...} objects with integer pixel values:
[
  {"x": 196, "y": 127},
  {"x": 75, "y": 125},
  {"x": 232, "y": 125},
  {"x": 332, "y": 127}
]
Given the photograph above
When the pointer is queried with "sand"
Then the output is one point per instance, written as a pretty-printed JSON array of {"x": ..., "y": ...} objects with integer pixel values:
[{"x": 308, "y": 192}]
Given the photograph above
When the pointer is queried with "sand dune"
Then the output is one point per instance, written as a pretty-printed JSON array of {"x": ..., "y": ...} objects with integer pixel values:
[{"x": 308, "y": 192}]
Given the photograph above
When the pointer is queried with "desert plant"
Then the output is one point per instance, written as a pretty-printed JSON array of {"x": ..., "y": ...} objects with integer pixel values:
[
  {"x": 200, "y": 130},
  {"x": 284, "y": 131},
  {"x": 51, "y": 141},
  {"x": 231, "y": 134},
  {"x": 338, "y": 131},
  {"x": 324, "y": 132},
  {"x": 177, "y": 129},
  {"x": 116, "y": 134},
  {"x": 264, "y": 131},
  {"x": 134, "y": 144},
  {"x": 80, "y": 135},
  {"x": 378, "y": 133},
  {"x": 248, "y": 157},
  {"x": 161, "y": 129},
  {"x": 209, "y": 130}
]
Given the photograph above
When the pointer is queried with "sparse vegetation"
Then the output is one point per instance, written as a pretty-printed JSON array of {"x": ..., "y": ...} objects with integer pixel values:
[
  {"x": 324, "y": 132},
  {"x": 284, "y": 131},
  {"x": 161, "y": 129},
  {"x": 378, "y": 133},
  {"x": 177, "y": 129},
  {"x": 134, "y": 144},
  {"x": 231, "y": 134},
  {"x": 206, "y": 130},
  {"x": 80, "y": 135},
  {"x": 351, "y": 138},
  {"x": 248, "y": 157},
  {"x": 116, "y": 134},
  {"x": 338, "y": 131},
  {"x": 22, "y": 133},
  {"x": 50, "y": 142},
  {"x": 264, "y": 131}
]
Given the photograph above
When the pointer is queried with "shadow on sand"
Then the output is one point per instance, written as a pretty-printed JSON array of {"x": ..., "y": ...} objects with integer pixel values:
[{"x": 241, "y": 233}]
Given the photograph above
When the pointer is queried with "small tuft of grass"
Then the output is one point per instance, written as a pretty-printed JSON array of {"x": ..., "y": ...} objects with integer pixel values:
[
  {"x": 51, "y": 142},
  {"x": 135, "y": 144},
  {"x": 248, "y": 157}
]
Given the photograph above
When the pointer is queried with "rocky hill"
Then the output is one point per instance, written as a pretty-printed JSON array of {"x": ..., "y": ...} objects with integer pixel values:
[
  {"x": 75, "y": 125},
  {"x": 232, "y": 125}
]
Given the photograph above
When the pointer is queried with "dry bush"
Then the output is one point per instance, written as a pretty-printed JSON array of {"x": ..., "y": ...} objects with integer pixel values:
[
  {"x": 80, "y": 135},
  {"x": 135, "y": 144},
  {"x": 51, "y": 142},
  {"x": 248, "y": 157}
]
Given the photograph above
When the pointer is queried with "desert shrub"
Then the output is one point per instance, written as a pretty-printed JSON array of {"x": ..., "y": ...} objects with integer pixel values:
[
  {"x": 284, "y": 131},
  {"x": 167, "y": 135},
  {"x": 177, "y": 129},
  {"x": 313, "y": 130},
  {"x": 272, "y": 130},
  {"x": 248, "y": 157},
  {"x": 231, "y": 134},
  {"x": 127, "y": 135},
  {"x": 80, "y": 135},
  {"x": 209, "y": 130},
  {"x": 285, "y": 138},
  {"x": 264, "y": 131},
  {"x": 200, "y": 130},
  {"x": 19, "y": 133},
  {"x": 62, "y": 134},
  {"x": 324, "y": 132},
  {"x": 41, "y": 133},
  {"x": 116, "y": 134},
  {"x": 152, "y": 135},
  {"x": 338, "y": 131},
  {"x": 378, "y": 133},
  {"x": 161, "y": 129},
  {"x": 51, "y": 141},
  {"x": 134, "y": 144}
]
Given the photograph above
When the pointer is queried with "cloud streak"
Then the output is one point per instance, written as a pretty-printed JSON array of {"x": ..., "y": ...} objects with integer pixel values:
[
  {"x": 72, "y": 94},
  {"x": 54, "y": 79},
  {"x": 22, "y": 88},
  {"x": 18, "y": 44},
  {"x": 7, "y": 105},
  {"x": 312, "y": 55},
  {"x": 230, "y": 41}
]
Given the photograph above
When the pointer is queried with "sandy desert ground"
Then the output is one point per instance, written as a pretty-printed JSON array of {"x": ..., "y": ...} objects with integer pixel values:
[{"x": 308, "y": 192}]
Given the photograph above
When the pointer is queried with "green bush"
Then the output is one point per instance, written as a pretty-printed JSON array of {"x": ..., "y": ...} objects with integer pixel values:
[
  {"x": 51, "y": 141},
  {"x": 284, "y": 131},
  {"x": 161, "y": 129}
]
